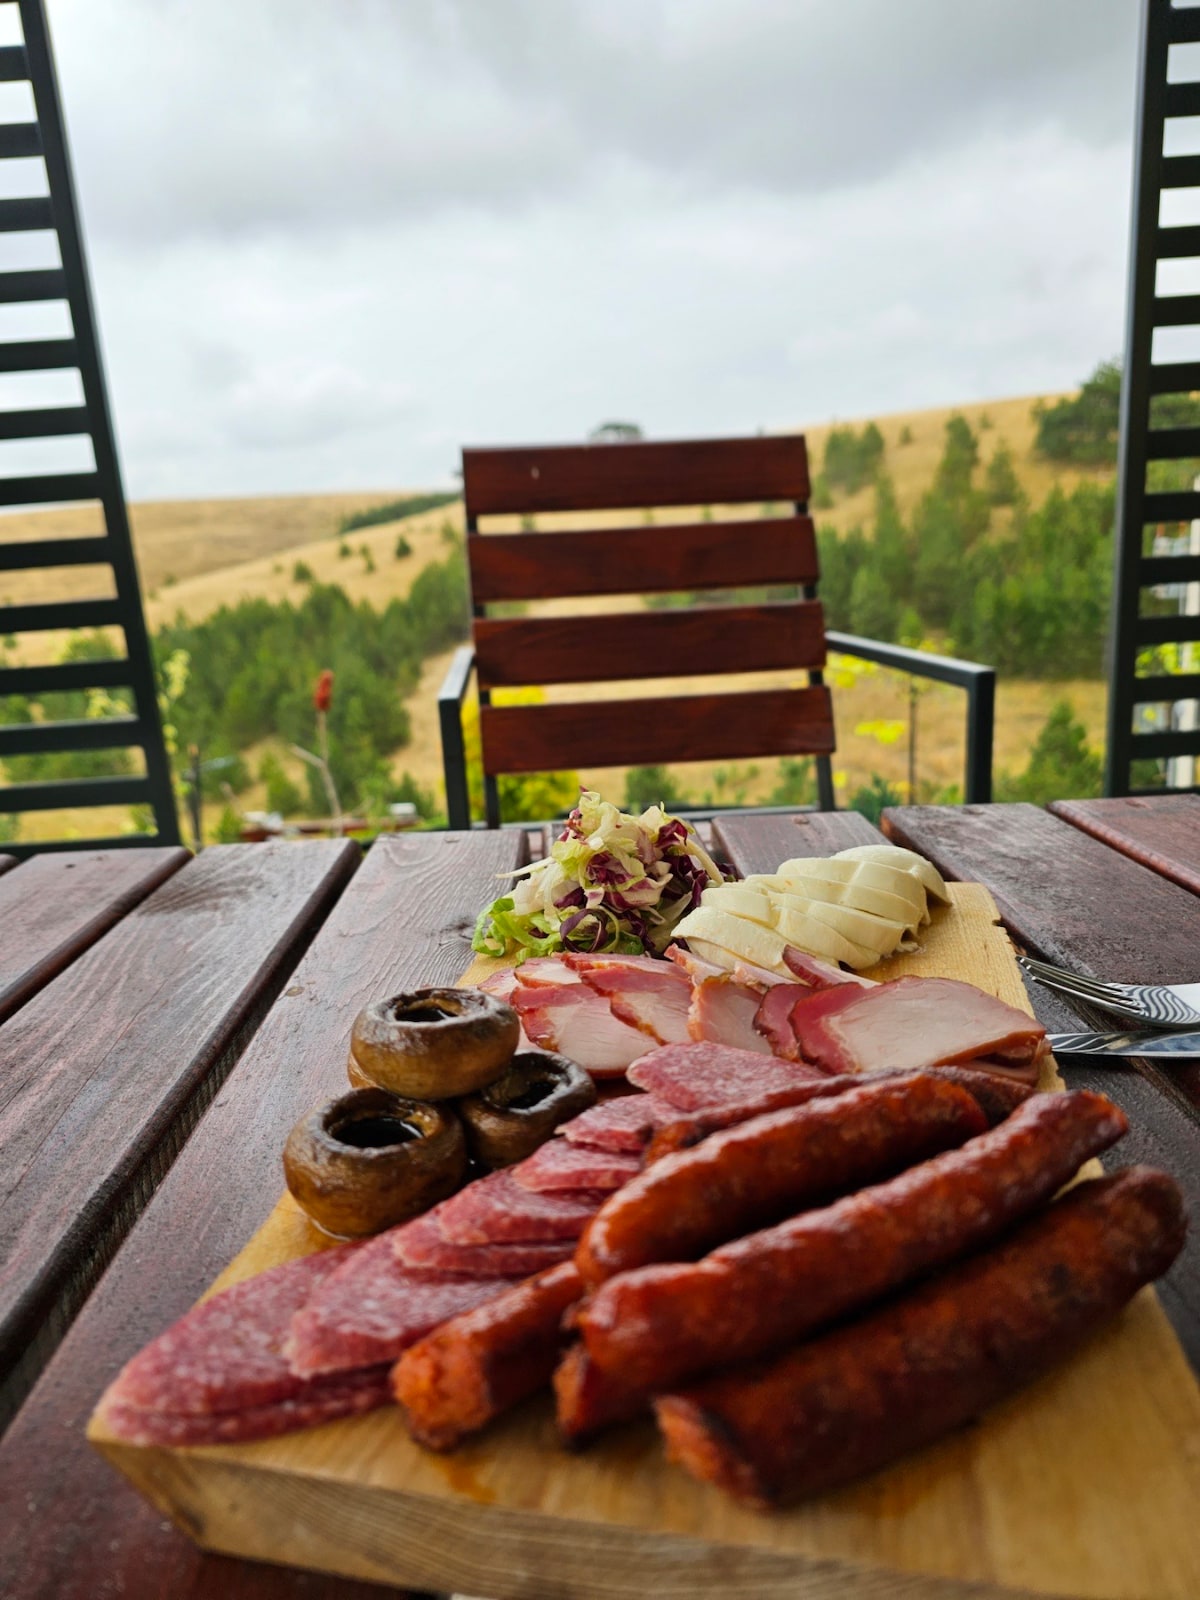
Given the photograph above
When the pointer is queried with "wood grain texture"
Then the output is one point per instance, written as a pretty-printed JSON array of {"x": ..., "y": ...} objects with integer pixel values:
[
  {"x": 405, "y": 919},
  {"x": 1068, "y": 898},
  {"x": 1160, "y": 831},
  {"x": 759, "y": 843},
  {"x": 58, "y": 905},
  {"x": 602, "y": 477},
  {"x": 691, "y": 642},
  {"x": 630, "y": 733},
  {"x": 680, "y": 556},
  {"x": 104, "y": 1073},
  {"x": 1051, "y": 1493}
]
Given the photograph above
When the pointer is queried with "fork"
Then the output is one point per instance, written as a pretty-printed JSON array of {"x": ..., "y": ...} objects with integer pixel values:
[{"x": 1161, "y": 1005}]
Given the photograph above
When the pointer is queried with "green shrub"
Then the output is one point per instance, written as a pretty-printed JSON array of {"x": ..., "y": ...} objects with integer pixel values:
[
  {"x": 392, "y": 510},
  {"x": 303, "y": 573},
  {"x": 402, "y": 548}
]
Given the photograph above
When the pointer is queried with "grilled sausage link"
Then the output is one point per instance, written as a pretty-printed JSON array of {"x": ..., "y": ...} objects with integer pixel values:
[
  {"x": 754, "y": 1173},
  {"x": 665, "y": 1324},
  {"x": 475, "y": 1366},
  {"x": 587, "y": 1400},
  {"x": 996, "y": 1097},
  {"x": 846, "y": 1403}
]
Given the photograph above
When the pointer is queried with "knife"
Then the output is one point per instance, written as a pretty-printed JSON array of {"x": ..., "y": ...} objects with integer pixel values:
[{"x": 1183, "y": 1046}]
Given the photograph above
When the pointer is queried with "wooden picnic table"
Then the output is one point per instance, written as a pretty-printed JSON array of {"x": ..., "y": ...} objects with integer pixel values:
[{"x": 168, "y": 1019}]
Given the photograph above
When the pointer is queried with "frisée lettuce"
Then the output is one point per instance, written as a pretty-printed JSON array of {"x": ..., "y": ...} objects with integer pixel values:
[{"x": 612, "y": 883}]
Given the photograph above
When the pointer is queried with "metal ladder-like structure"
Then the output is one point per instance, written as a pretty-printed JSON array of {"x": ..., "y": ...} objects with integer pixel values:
[
  {"x": 55, "y": 213},
  {"x": 1154, "y": 682}
]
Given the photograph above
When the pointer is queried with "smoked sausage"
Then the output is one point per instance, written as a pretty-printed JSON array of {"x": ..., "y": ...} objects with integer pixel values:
[
  {"x": 854, "y": 1399},
  {"x": 996, "y": 1098},
  {"x": 753, "y": 1174},
  {"x": 475, "y": 1366},
  {"x": 664, "y": 1324}
]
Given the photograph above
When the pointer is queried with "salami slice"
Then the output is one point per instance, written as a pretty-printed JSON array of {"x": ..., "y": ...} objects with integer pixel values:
[
  {"x": 371, "y": 1309},
  {"x": 562, "y": 1168},
  {"x": 316, "y": 1401},
  {"x": 497, "y": 1210},
  {"x": 625, "y": 1124},
  {"x": 424, "y": 1252},
  {"x": 706, "y": 1073},
  {"x": 226, "y": 1354}
]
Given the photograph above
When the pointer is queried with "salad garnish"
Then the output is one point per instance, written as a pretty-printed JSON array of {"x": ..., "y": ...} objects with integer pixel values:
[{"x": 613, "y": 883}]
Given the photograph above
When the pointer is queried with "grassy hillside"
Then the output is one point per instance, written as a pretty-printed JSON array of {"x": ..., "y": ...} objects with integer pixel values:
[{"x": 195, "y": 556}]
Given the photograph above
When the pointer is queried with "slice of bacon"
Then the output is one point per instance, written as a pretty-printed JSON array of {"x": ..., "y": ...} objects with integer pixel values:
[
  {"x": 910, "y": 1023},
  {"x": 724, "y": 1010},
  {"x": 652, "y": 996},
  {"x": 814, "y": 973},
  {"x": 577, "y": 1022}
]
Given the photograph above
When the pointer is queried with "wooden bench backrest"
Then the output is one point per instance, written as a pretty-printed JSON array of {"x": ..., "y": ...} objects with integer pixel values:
[{"x": 688, "y": 556}]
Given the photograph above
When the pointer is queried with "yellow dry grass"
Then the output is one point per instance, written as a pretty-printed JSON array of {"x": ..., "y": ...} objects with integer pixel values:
[{"x": 195, "y": 556}]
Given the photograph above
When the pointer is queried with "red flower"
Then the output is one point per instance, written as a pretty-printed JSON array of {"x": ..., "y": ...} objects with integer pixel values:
[{"x": 323, "y": 693}]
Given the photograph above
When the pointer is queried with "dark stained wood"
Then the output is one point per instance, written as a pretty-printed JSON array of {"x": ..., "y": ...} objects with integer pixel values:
[
  {"x": 105, "y": 1072},
  {"x": 602, "y": 477},
  {"x": 759, "y": 843},
  {"x": 708, "y": 727},
  {"x": 406, "y": 919},
  {"x": 1160, "y": 831},
  {"x": 1063, "y": 894},
  {"x": 652, "y": 560},
  {"x": 692, "y": 642},
  {"x": 58, "y": 905}
]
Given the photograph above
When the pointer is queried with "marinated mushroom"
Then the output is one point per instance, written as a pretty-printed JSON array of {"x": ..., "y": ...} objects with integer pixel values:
[
  {"x": 370, "y": 1159},
  {"x": 509, "y": 1119},
  {"x": 433, "y": 1044}
]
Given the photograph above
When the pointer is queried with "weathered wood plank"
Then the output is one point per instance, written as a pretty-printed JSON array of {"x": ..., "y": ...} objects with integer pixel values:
[
  {"x": 693, "y": 642},
  {"x": 759, "y": 843},
  {"x": 693, "y": 727},
  {"x": 58, "y": 905},
  {"x": 406, "y": 919},
  {"x": 1160, "y": 831},
  {"x": 104, "y": 1073},
  {"x": 681, "y": 556}
]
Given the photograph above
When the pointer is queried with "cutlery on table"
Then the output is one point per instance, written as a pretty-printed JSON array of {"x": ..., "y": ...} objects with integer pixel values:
[
  {"x": 1181, "y": 1046},
  {"x": 1157, "y": 1005}
]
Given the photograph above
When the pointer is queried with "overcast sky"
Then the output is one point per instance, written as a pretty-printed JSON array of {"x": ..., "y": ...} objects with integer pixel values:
[{"x": 331, "y": 243}]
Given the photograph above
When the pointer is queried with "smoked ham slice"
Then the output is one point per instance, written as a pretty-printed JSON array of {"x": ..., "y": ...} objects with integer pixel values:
[
  {"x": 723, "y": 1011},
  {"x": 576, "y": 1021},
  {"x": 652, "y": 996},
  {"x": 911, "y": 1023}
]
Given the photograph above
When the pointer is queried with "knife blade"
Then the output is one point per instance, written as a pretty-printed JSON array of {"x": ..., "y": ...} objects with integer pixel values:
[{"x": 1183, "y": 1046}]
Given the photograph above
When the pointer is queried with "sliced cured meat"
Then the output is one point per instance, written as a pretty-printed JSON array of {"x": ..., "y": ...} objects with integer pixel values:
[
  {"x": 724, "y": 1010},
  {"x": 502, "y": 984},
  {"x": 695, "y": 966},
  {"x": 316, "y": 1401},
  {"x": 649, "y": 995},
  {"x": 577, "y": 1022},
  {"x": 626, "y": 1124},
  {"x": 560, "y": 1167},
  {"x": 371, "y": 1309},
  {"x": 773, "y": 1019},
  {"x": 423, "y": 1250},
  {"x": 543, "y": 971},
  {"x": 814, "y": 973},
  {"x": 688, "y": 1076},
  {"x": 226, "y": 1354},
  {"x": 916, "y": 1022},
  {"x": 497, "y": 1210}
]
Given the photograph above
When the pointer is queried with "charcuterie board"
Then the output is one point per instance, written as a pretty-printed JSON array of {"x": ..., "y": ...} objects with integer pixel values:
[{"x": 1084, "y": 1485}]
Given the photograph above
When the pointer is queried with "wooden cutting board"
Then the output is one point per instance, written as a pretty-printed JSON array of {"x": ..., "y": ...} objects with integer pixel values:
[{"x": 1084, "y": 1485}]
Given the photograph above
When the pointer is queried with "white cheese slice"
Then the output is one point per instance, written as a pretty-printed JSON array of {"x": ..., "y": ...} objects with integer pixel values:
[{"x": 907, "y": 860}]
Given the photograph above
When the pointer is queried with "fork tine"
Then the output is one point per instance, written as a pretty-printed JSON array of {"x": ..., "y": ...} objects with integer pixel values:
[
  {"x": 1059, "y": 975},
  {"x": 1082, "y": 990}
]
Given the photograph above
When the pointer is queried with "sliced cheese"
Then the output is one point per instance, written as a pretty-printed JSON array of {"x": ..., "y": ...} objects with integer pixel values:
[
  {"x": 860, "y": 897},
  {"x": 858, "y": 927},
  {"x": 907, "y": 860},
  {"x": 739, "y": 900},
  {"x": 819, "y": 939},
  {"x": 708, "y": 929},
  {"x": 857, "y": 876}
]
